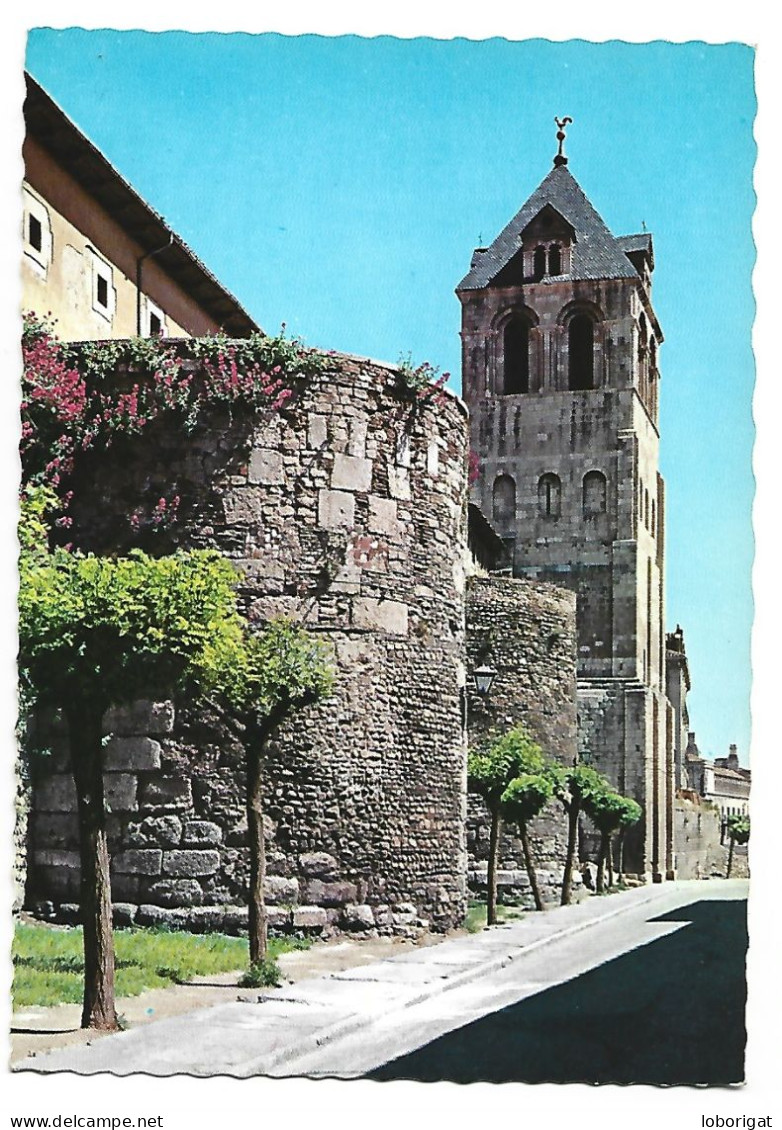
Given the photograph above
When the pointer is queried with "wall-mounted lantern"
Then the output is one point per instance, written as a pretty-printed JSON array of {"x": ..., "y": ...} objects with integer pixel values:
[{"x": 484, "y": 679}]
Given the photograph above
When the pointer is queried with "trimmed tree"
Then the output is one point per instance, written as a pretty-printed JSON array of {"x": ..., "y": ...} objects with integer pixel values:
[
  {"x": 279, "y": 671},
  {"x": 489, "y": 772},
  {"x": 610, "y": 812},
  {"x": 95, "y": 633},
  {"x": 574, "y": 787},
  {"x": 524, "y": 799},
  {"x": 738, "y": 831}
]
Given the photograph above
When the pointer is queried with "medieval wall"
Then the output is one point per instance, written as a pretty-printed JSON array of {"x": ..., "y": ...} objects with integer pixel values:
[
  {"x": 345, "y": 510},
  {"x": 699, "y": 852},
  {"x": 526, "y": 631}
]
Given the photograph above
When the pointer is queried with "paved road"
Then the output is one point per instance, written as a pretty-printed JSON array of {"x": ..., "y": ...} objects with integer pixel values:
[{"x": 644, "y": 986}]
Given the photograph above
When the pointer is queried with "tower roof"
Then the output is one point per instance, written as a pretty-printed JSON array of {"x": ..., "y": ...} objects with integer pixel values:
[{"x": 596, "y": 253}]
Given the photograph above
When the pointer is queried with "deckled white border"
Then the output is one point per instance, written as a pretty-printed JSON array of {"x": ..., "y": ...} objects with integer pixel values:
[{"x": 196, "y": 1103}]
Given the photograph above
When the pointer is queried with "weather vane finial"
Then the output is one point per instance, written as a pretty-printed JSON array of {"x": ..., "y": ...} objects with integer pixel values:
[{"x": 560, "y": 158}]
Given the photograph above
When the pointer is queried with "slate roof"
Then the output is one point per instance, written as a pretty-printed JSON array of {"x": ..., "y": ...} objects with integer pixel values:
[{"x": 596, "y": 253}]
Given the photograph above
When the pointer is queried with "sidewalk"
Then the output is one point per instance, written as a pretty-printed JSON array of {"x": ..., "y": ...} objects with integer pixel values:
[{"x": 370, "y": 1011}]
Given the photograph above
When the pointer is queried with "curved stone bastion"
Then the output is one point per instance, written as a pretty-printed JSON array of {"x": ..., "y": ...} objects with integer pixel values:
[{"x": 345, "y": 510}]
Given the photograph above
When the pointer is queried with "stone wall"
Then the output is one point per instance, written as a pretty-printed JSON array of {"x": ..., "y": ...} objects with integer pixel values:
[
  {"x": 346, "y": 510},
  {"x": 699, "y": 852},
  {"x": 526, "y": 631}
]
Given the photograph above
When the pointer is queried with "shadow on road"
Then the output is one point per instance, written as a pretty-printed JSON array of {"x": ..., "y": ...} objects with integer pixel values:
[{"x": 671, "y": 1011}]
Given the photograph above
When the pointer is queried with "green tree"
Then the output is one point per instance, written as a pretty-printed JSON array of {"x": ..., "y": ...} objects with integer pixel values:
[
  {"x": 489, "y": 772},
  {"x": 610, "y": 813},
  {"x": 279, "y": 671},
  {"x": 94, "y": 633},
  {"x": 574, "y": 787},
  {"x": 524, "y": 799},
  {"x": 738, "y": 831}
]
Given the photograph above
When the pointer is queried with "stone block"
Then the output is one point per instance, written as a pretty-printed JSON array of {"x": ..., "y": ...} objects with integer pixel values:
[
  {"x": 388, "y": 616},
  {"x": 350, "y": 472},
  {"x": 126, "y": 888},
  {"x": 123, "y": 913},
  {"x": 54, "y": 857},
  {"x": 138, "y": 861},
  {"x": 155, "y": 831},
  {"x": 205, "y": 919},
  {"x": 198, "y": 832},
  {"x": 278, "y": 918},
  {"x": 383, "y": 517},
  {"x": 176, "y": 892},
  {"x": 148, "y": 915},
  {"x": 69, "y": 913},
  {"x": 309, "y": 917},
  {"x": 383, "y": 916},
  {"x": 190, "y": 864},
  {"x": 56, "y": 793},
  {"x": 277, "y": 888},
  {"x": 318, "y": 865},
  {"x": 235, "y": 918},
  {"x": 432, "y": 457},
  {"x": 317, "y": 433},
  {"x": 121, "y": 792},
  {"x": 132, "y": 753},
  {"x": 357, "y": 916},
  {"x": 399, "y": 482},
  {"x": 142, "y": 717},
  {"x": 242, "y": 507},
  {"x": 167, "y": 792},
  {"x": 266, "y": 467},
  {"x": 55, "y": 829},
  {"x": 336, "y": 509},
  {"x": 330, "y": 894}
]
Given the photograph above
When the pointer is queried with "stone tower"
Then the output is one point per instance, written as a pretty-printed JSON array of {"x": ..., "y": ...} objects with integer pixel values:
[{"x": 559, "y": 367}]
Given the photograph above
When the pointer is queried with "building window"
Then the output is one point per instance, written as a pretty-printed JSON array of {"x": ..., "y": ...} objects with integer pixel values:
[
  {"x": 549, "y": 496},
  {"x": 594, "y": 493},
  {"x": 103, "y": 294},
  {"x": 154, "y": 320},
  {"x": 504, "y": 501},
  {"x": 102, "y": 291},
  {"x": 515, "y": 377},
  {"x": 581, "y": 353},
  {"x": 539, "y": 264},
  {"x": 555, "y": 259},
  {"x": 36, "y": 232}
]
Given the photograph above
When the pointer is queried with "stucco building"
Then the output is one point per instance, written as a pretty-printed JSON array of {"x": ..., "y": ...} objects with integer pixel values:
[
  {"x": 560, "y": 371},
  {"x": 96, "y": 256}
]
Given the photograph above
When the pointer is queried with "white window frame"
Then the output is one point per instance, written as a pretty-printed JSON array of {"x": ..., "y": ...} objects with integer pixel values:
[
  {"x": 150, "y": 308},
  {"x": 101, "y": 268},
  {"x": 35, "y": 207}
]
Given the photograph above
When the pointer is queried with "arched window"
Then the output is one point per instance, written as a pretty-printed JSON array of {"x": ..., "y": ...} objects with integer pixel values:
[
  {"x": 581, "y": 352},
  {"x": 515, "y": 377},
  {"x": 555, "y": 259},
  {"x": 504, "y": 501},
  {"x": 539, "y": 267},
  {"x": 653, "y": 355},
  {"x": 594, "y": 493},
  {"x": 549, "y": 496}
]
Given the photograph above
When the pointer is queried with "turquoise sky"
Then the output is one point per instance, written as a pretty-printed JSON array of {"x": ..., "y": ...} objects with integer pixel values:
[{"x": 340, "y": 185}]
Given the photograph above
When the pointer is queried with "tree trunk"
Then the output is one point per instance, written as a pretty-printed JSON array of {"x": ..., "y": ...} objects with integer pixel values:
[
  {"x": 610, "y": 862},
  {"x": 491, "y": 874},
  {"x": 620, "y": 843},
  {"x": 533, "y": 879},
  {"x": 730, "y": 857},
  {"x": 600, "y": 885},
  {"x": 258, "y": 929},
  {"x": 572, "y": 833},
  {"x": 86, "y": 748}
]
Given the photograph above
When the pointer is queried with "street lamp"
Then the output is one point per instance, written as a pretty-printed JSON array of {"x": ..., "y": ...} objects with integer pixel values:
[{"x": 484, "y": 678}]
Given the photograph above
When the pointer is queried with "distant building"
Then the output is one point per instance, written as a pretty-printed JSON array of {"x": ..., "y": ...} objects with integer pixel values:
[
  {"x": 722, "y": 781},
  {"x": 96, "y": 256}
]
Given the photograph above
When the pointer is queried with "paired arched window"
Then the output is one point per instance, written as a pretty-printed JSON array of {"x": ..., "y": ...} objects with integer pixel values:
[
  {"x": 504, "y": 501},
  {"x": 581, "y": 352},
  {"x": 594, "y": 493},
  {"x": 515, "y": 374},
  {"x": 549, "y": 496}
]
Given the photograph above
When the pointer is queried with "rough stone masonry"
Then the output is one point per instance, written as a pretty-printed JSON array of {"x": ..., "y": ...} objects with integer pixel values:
[{"x": 345, "y": 510}]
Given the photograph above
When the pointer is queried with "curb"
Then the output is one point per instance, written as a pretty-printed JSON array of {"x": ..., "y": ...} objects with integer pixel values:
[{"x": 353, "y": 1024}]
